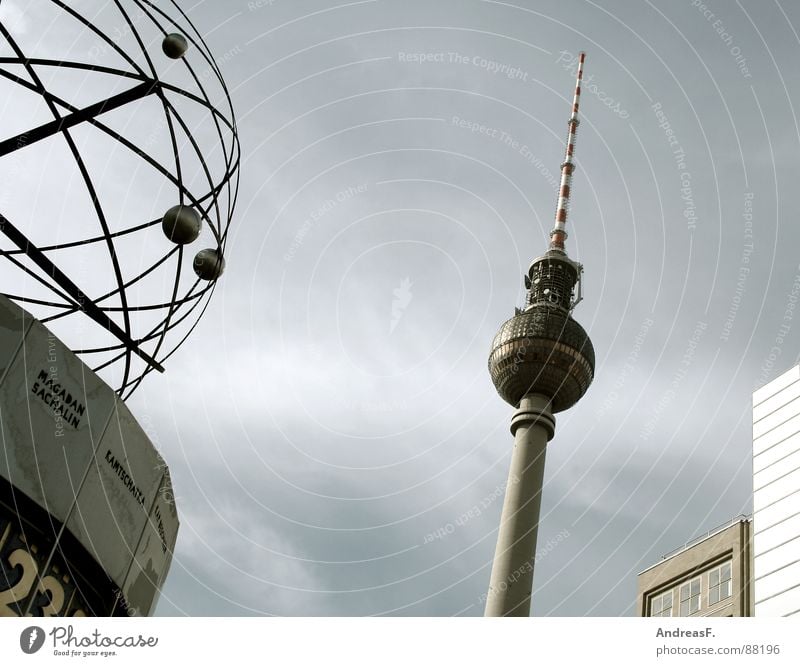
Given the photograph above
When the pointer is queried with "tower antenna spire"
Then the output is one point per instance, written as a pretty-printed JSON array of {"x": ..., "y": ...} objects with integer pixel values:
[{"x": 559, "y": 234}]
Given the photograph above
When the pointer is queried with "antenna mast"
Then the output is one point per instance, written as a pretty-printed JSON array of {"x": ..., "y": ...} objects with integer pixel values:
[{"x": 558, "y": 235}]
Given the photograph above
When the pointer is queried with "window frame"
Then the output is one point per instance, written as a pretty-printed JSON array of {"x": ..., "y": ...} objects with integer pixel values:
[
  {"x": 661, "y": 597},
  {"x": 698, "y": 596},
  {"x": 720, "y": 582}
]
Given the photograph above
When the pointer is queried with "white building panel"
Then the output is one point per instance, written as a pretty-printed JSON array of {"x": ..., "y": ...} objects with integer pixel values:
[
  {"x": 775, "y": 453},
  {"x": 776, "y": 402},
  {"x": 772, "y": 584},
  {"x": 771, "y": 561},
  {"x": 776, "y": 418},
  {"x": 779, "y": 606},
  {"x": 780, "y": 467},
  {"x": 775, "y": 513},
  {"x": 788, "y": 485},
  {"x": 777, "y": 384},
  {"x": 776, "y": 435},
  {"x": 777, "y": 534},
  {"x": 776, "y": 496}
]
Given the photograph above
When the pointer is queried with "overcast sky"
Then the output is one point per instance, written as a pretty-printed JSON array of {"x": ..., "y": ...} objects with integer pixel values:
[{"x": 335, "y": 442}]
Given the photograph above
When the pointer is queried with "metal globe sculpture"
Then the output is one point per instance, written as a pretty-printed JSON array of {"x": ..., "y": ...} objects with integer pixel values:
[{"x": 118, "y": 123}]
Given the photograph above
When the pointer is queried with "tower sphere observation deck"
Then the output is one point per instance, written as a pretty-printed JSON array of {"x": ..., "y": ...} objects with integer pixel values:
[{"x": 541, "y": 350}]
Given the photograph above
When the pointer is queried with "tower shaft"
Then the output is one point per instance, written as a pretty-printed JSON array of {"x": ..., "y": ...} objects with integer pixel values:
[{"x": 512, "y": 571}]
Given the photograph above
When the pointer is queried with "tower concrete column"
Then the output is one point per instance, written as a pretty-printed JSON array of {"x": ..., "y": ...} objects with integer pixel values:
[{"x": 532, "y": 426}]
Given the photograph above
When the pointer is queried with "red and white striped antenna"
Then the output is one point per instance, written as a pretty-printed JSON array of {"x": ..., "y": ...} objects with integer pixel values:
[{"x": 559, "y": 234}]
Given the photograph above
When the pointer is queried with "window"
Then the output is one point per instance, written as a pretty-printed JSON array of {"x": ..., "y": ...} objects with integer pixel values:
[
  {"x": 661, "y": 606},
  {"x": 690, "y": 597},
  {"x": 719, "y": 583}
]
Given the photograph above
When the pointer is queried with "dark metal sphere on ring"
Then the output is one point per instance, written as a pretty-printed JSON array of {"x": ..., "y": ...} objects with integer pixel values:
[
  {"x": 120, "y": 160},
  {"x": 545, "y": 351}
]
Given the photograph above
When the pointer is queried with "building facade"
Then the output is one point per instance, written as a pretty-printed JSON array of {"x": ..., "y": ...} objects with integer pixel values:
[
  {"x": 708, "y": 577},
  {"x": 776, "y": 496}
]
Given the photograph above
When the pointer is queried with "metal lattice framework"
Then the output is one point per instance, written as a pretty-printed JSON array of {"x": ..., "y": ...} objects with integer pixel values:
[{"x": 213, "y": 200}]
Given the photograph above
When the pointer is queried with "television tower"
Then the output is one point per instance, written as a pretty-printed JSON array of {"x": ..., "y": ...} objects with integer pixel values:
[{"x": 541, "y": 362}]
